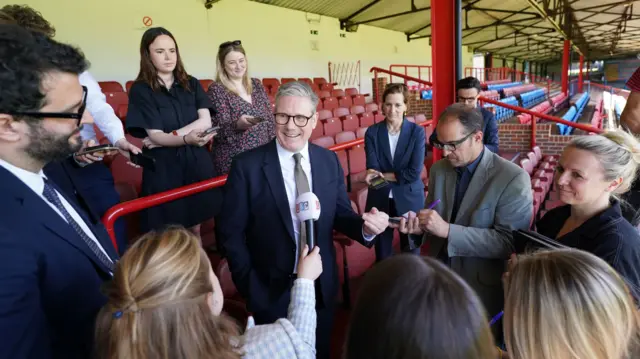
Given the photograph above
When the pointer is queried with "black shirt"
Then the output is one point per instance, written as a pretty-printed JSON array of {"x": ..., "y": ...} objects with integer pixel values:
[{"x": 607, "y": 235}]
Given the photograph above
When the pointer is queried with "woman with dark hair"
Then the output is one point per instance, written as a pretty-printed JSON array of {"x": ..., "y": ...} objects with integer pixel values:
[
  {"x": 241, "y": 107},
  {"x": 169, "y": 109},
  {"x": 415, "y": 307},
  {"x": 395, "y": 151}
]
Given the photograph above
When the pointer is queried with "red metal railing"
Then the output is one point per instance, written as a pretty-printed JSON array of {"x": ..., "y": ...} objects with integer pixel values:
[
  {"x": 136, "y": 205},
  {"x": 421, "y": 70}
]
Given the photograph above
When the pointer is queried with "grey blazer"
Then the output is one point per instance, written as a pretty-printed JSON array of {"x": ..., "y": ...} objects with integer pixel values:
[{"x": 499, "y": 193}]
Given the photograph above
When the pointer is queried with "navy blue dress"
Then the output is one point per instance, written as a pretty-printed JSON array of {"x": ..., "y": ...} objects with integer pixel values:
[{"x": 169, "y": 110}]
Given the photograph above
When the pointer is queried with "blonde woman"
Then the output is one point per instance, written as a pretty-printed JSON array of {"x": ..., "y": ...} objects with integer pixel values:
[
  {"x": 165, "y": 302},
  {"x": 241, "y": 107},
  {"x": 568, "y": 304},
  {"x": 592, "y": 172}
]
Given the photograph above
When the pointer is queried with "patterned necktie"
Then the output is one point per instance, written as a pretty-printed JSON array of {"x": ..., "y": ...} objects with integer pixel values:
[
  {"x": 51, "y": 196},
  {"x": 302, "y": 186}
]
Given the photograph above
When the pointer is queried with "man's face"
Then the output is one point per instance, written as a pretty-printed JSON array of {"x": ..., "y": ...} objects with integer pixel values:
[
  {"x": 291, "y": 113},
  {"x": 468, "y": 97},
  {"x": 459, "y": 147},
  {"x": 49, "y": 139}
]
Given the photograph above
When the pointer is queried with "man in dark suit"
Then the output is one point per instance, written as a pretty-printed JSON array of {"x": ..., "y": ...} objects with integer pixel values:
[
  {"x": 468, "y": 92},
  {"x": 260, "y": 234},
  {"x": 53, "y": 260}
]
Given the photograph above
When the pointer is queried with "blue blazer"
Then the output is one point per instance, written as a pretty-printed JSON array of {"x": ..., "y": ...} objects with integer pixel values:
[
  {"x": 49, "y": 278},
  {"x": 256, "y": 230},
  {"x": 408, "y": 191}
]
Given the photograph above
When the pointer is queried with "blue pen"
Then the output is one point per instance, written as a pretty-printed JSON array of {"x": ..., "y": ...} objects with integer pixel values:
[{"x": 496, "y": 318}]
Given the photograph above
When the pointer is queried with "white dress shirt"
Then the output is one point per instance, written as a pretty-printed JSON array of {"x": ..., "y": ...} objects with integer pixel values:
[
  {"x": 288, "y": 165},
  {"x": 103, "y": 114},
  {"x": 35, "y": 181},
  {"x": 393, "y": 143}
]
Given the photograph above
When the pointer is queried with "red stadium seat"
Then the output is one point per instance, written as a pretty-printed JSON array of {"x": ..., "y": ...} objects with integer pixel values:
[
  {"x": 344, "y": 163},
  {"x": 123, "y": 172},
  {"x": 326, "y": 87},
  {"x": 110, "y": 86},
  {"x": 411, "y": 119},
  {"x": 378, "y": 118},
  {"x": 359, "y": 100},
  {"x": 338, "y": 93},
  {"x": 324, "y": 141},
  {"x": 324, "y": 114},
  {"x": 421, "y": 118},
  {"x": 371, "y": 107},
  {"x": 527, "y": 166},
  {"x": 345, "y": 136},
  {"x": 128, "y": 85},
  {"x": 340, "y": 112},
  {"x": 356, "y": 110},
  {"x": 319, "y": 80},
  {"x": 116, "y": 99},
  {"x": 284, "y": 80},
  {"x": 332, "y": 126},
  {"x": 366, "y": 119},
  {"x": 306, "y": 79},
  {"x": 357, "y": 165},
  {"x": 315, "y": 88},
  {"x": 121, "y": 112},
  {"x": 534, "y": 160},
  {"x": 345, "y": 102},
  {"x": 206, "y": 83},
  {"x": 330, "y": 103},
  {"x": 324, "y": 94},
  {"x": 351, "y": 92},
  {"x": 350, "y": 123},
  {"x": 360, "y": 132}
]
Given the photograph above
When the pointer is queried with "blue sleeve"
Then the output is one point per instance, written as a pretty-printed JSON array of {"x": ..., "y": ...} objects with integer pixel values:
[
  {"x": 491, "y": 140},
  {"x": 370, "y": 148},
  {"x": 22, "y": 320},
  {"x": 411, "y": 173}
]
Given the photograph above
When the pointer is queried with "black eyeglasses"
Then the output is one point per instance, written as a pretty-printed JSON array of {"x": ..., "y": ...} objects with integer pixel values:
[
  {"x": 231, "y": 43},
  {"x": 450, "y": 146},
  {"x": 298, "y": 120},
  {"x": 76, "y": 116}
]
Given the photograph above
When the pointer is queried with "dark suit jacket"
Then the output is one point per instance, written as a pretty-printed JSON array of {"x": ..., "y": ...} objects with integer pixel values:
[
  {"x": 67, "y": 176},
  {"x": 256, "y": 229},
  {"x": 49, "y": 278},
  {"x": 408, "y": 191},
  {"x": 490, "y": 131}
]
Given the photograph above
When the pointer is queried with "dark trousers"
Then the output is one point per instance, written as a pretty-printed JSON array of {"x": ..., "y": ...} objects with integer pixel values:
[
  {"x": 324, "y": 324},
  {"x": 384, "y": 244}
]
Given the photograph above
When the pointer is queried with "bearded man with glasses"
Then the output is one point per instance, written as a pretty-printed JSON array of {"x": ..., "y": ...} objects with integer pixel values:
[
  {"x": 258, "y": 228},
  {"x": 477, "y": 189},
  {"x": 53, "y": 259}
]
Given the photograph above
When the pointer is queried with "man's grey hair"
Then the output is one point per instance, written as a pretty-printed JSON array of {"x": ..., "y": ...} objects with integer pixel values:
[{"x": 298, "y": 89}]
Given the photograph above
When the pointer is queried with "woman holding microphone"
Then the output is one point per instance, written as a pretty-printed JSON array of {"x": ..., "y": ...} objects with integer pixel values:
[{"x": 395, "y": 151}]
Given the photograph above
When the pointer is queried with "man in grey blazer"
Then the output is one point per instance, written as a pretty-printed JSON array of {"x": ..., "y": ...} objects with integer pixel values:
[{"x": 477, "y": 189}]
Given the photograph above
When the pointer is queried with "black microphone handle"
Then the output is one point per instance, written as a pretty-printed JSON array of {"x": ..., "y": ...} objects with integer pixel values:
[{"x": 311, "y": 239}]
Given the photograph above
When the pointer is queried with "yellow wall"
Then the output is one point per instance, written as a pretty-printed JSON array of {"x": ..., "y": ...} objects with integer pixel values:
[{"x": 277, "y": 40}]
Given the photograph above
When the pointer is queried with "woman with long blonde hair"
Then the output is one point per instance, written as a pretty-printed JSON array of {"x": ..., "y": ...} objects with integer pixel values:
[
  {"x": 165, "y": 302},
  {"x": 568, "y": 304}
]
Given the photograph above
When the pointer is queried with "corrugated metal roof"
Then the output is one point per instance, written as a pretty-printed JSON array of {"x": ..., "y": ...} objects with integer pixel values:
[{"x": 507, "y": 28}]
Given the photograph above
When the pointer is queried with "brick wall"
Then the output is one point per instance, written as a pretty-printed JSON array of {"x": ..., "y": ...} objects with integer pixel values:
[
  {"x": 382, "y": 83},
  {"x": 517, "y": 138},
  {"x": 416, "y": 105}
]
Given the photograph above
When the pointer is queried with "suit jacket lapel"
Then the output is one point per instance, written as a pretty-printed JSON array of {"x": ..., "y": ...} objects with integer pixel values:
[
  {"x": 476, "y": 184},
  {"x": 273, "y": 172},
  {"x": 451, "y": 179},
  {"x": 403, "y": 142},
  {"x": 383, "y": 140}
]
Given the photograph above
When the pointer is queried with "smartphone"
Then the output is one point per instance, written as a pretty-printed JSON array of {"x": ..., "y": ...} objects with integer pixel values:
[
  {"x": 143, "y": 161},
  {"x": 378, "y": 182},
  {"x": 395, "y": 220},
  {"x": 209, "y": 131},
  {"x": 255, "y": 120},
  {"x": 99, "y": 151}
]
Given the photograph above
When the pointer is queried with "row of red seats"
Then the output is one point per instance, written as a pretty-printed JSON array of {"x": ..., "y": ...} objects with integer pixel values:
[
  {"x": 596, "y": 120},
  {"x": 543, "y": 107},
  {"x": 559, "y": 98},
  {"x": 517, "y": 90},
  {"x": 541, "y": 169},
  {"x": 494, "y": 82},
  {"x": 492, "y": 95}
]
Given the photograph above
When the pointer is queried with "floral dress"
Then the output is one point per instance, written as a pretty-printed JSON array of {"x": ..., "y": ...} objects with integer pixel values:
[{"x": 227, "y": 109}]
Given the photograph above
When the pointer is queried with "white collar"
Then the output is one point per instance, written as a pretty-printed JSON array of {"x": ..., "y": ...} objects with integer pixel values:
[
  {"x": 286, "y": 155},
  {"x": 35, "y": 181}
]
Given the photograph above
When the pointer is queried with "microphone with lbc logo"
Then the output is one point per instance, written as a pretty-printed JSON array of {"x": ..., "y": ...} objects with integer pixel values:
[{"x": 307, "y": 211}]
